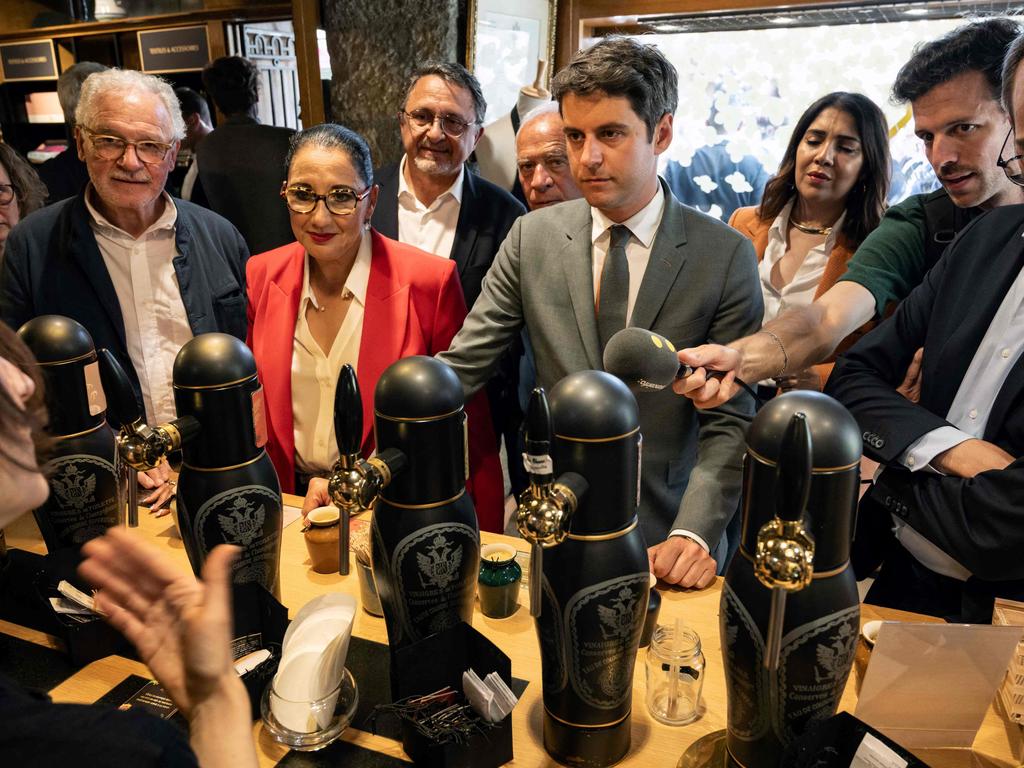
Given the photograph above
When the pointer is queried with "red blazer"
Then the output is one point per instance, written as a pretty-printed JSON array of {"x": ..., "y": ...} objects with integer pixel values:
[{"x": 414, "y": 306}]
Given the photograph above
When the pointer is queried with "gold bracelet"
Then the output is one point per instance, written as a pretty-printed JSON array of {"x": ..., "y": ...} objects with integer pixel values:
[{"x": 785, "y": 357}]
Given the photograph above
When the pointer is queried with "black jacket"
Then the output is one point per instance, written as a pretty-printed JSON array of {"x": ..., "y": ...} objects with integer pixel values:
[
  {"x": 52, "y": 265},
  {"x": 485, "y": 217},
  {"x": 978, "y": 521}
]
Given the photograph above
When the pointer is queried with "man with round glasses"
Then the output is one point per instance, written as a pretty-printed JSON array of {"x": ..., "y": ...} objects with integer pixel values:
[
  {"x": 959, "y": 520},
  {"x": 431, "y": 200},
  {"x": 141, "y": 271}
]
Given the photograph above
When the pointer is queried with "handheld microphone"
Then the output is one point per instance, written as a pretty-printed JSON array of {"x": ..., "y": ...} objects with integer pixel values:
[{"x": 646, "y": 361}]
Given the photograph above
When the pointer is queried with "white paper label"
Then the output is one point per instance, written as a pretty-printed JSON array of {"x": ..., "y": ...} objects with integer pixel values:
[
  {"x": 94, "y": 389},
  {"x": 872, "y": 753},
  {"x": 538, "y": 465}
]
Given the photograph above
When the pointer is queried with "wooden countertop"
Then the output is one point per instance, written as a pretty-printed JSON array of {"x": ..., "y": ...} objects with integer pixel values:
[{"x": 998, "y": 745}]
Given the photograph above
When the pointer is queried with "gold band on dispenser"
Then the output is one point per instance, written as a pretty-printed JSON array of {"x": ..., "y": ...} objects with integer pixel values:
[
  {"x": 223, "y": 385},
  {"x": 172, "y": 434},
  {"x": 816, "y": 575},
  {"x": 69, "y": 360},
  {"x": 586, "y": 725},
  {"x": 597, "y": 439},
  {"x": 604, "y": 536},
  {"x": 402, "y": 419},
  {"x": 814, "y": 470},
  {"x": 225, "y": 469},
  {"x": 733, "y": 757},
  {"x": 79, "y": 434},
  {"x": 382, "y": 468},
  {"x": 431, "y": 505}
]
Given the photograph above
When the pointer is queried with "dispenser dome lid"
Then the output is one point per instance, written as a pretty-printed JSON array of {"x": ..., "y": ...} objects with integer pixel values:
[
  {"x": 835, "y": 436},
  {"x": 213, "y": 360},
  {"x": 593, "y": 405},
  {"x": 418, "y": 387},
  {"x": 56, "y": 339}
]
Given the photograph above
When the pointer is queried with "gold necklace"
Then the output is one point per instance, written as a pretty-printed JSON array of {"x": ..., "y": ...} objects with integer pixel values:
[
  {"x": 346, "y": 295},
  {"x": 809, "y": 230}
]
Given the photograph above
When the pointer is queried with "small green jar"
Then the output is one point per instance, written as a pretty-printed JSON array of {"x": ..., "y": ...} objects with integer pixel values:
[{"x": 500, "y": 578}]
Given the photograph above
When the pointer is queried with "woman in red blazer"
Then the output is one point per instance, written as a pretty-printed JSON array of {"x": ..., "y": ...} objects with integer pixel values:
[
  {"x": 345, "y": 294},
  {"x": 828, "y": 194}
]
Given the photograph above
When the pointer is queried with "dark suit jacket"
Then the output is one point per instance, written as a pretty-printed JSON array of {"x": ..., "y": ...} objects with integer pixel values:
[
  {"x": 241, "y": 167},
  {"x": 485, "y": 218},
  {"x": 980, "y": 521},
  {"x": 413, "y": 307},
  {"x": 52, "y": 265},
  {"x": 700, "y": 285}
]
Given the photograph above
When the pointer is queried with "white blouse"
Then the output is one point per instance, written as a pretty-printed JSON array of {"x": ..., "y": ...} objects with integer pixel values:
[
  {"x": 799, "y": 292},
  {"x": 315, "y": 374}
]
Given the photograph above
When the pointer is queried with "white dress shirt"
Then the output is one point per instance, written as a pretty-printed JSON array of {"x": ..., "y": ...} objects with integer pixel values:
[
  {"x": 643, "y": 227},
  {"x": 315, "y": 373},
  {"x": 429, "y": 228},
  {"x": 155, "y": 323},
  {"x": 998, "y": 353},
  {"x": 798, "y": 292}
]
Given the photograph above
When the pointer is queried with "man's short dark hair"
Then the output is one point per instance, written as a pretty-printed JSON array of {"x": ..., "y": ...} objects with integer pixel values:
[
  {"x": 622, "y": 66},
  {"x": 191, "y": 103},
  {"x": 453, "y": 73},
  {"x": 978, "y": 46},
  {"x": 233, "y": 84},
  {"x": 1014, "y": 57}
]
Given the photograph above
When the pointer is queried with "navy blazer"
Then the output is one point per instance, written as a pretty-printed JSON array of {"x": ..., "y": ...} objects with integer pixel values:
[
  {"x": 485, "y": 217},
  {"x": 52, "y": 265}
]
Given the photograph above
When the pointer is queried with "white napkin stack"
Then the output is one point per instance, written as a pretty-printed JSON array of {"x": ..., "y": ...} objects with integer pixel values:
[
  {"x": 306, "y": 686},
  {"x": 491, "y": 698}
]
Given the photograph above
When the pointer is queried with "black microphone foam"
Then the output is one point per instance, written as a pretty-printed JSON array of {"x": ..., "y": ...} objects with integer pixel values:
[{"x": 646, "y": 361}]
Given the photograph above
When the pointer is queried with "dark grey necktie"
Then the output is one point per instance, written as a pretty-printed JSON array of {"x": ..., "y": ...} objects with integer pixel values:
[{"x": 614, "y": 296}]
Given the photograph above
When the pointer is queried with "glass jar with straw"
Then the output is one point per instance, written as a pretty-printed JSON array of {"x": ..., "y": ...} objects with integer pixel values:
[{"x": 675, "y": 674}]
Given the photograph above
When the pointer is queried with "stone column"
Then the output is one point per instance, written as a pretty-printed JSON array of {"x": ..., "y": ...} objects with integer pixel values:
[{"x": 374, "y": 47}]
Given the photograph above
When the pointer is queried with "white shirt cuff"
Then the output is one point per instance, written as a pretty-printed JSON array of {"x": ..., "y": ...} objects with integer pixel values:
[
  {"x": 920, "y": 453},
  {"x": 691, "y": 535}
]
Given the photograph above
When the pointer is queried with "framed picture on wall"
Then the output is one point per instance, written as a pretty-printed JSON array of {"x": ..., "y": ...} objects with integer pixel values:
[{"x": 506, "y": 42}]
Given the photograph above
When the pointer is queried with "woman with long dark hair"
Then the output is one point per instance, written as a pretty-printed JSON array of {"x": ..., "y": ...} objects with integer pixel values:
[{"x": 828, "y": 194}]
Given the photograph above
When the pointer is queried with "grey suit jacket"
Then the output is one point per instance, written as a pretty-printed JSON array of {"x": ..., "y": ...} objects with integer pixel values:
[{"x": 700, "y": 285}]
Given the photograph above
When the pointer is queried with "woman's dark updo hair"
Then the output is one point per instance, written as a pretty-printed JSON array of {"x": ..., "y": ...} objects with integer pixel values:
[
  {"x": 866, "y": 201},
  {"x": 334, "y": 136}
]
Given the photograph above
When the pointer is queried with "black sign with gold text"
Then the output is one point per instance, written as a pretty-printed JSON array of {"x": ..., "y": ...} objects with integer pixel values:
[
  {"x": 28, "y": 60},
  {"x": 181, "y": 49}
]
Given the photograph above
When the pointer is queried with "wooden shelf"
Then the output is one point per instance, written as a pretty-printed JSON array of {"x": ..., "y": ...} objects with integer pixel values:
[{"x": 249, "y": 12}]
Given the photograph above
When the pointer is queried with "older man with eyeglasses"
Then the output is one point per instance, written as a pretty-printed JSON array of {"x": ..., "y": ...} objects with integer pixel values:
[
  {"x": 141, "y": 271},
  {"x": 432, "y": 200}
]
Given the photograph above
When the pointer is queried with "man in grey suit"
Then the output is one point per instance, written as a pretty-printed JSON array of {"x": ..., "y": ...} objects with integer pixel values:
[{"x": 633, "y": 251}]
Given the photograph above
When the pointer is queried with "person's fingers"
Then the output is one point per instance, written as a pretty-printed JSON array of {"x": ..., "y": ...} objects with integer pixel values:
[
  {"x": 125, "y": 622},
  {"x": 136, "y": 561},
  {"x": 688, "y": 384},
  {"x": 708, "y": 393},
  {"x": 160, "y": 501},
  {"x": 146, "y": 481},
  {"x": 316, "y": 496},
  {"x": 709, "y": 576},
  {"x": 216, "y": 576},
  {"x": 685, "y": 562},
  {"x": 114, "y": 588},
  {"x": 662, "y": 560}
]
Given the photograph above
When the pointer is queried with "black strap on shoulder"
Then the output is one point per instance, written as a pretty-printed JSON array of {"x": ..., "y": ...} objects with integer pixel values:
[{"x": 943, "y": 220}]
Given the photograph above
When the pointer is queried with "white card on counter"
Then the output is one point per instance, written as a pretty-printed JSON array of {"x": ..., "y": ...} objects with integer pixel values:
[{"x": 873, "y": 753}]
